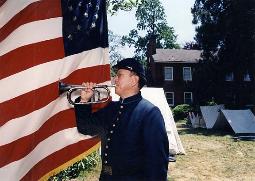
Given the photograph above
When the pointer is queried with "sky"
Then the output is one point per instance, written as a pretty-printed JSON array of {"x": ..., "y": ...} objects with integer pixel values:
[{"x": 178, "y": 16}]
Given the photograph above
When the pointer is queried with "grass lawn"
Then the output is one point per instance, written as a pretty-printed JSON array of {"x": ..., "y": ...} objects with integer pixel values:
[{"x": 210, "y": 155}]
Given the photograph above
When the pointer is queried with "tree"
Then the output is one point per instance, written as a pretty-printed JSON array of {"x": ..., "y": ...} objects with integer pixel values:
[
  {"x": 114, "y": 46},
  {"x": 114, "y": 49},
  {"x": 115, "y": 5},
  {"x": 151, "y": 20},
  {"x": 226, "y": 34},
  {"x": 191, "y": 46}
]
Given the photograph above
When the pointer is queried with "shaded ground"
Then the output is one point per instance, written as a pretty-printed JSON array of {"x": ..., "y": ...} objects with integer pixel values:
[{"x": 210, "y": 155}]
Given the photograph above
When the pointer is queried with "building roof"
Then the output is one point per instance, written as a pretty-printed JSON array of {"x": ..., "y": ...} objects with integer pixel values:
[{"x": 177, "y": 56}]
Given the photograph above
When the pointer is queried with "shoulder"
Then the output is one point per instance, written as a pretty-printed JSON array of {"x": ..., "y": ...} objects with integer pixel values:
[
  {"x": 147, "y": 104},
  {"x": 146, "y": 107},
  {"x": 152, "y": 116}
]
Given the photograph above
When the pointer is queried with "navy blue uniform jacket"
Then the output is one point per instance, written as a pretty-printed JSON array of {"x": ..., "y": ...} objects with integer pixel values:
[{"x": 133, "y": 136}]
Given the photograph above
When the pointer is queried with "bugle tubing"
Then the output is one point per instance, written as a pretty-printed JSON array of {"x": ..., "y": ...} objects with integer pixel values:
[{"x": 70, "y": 88}]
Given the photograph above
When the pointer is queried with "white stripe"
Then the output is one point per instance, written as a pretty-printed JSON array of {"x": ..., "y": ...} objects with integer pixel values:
[
  {"x": 35, "y": 120},
  {"x": 33, "y": 32},
  {"x": 12, "y": 7},
  {"x": 50, "y": 72},
  {"x": 18, "y": 169}
]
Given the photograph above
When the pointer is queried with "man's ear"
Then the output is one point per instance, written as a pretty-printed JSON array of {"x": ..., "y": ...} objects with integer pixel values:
[{"x": 135, "y": 80}]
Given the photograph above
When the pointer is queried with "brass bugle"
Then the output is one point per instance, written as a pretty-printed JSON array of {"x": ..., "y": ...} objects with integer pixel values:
[{"x": 97, "y": 91}]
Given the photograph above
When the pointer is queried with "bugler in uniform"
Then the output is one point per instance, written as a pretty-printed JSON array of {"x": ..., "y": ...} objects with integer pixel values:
[{"x": 133, "y": 135}]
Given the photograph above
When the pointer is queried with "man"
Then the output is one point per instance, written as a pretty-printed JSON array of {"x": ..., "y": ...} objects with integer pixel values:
[{"x": 134, "y": 138}]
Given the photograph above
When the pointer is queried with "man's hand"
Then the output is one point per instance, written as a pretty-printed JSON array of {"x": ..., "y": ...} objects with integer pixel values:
[{"x": 87, "y": 92}]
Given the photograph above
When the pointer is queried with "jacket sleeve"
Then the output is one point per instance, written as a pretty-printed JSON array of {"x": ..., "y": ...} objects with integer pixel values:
[
  {"x": 156, "y": 146},
  {"x": 90, "y": 123}
]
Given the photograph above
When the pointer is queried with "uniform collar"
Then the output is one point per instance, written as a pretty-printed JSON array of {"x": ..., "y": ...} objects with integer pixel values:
[{"x": 130, "y": 99}]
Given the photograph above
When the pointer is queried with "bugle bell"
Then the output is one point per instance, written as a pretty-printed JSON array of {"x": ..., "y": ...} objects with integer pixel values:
[{"x": 97, "y": 91}]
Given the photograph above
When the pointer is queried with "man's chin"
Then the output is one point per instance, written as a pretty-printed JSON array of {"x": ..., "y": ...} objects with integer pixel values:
[{"x": 117, "y": 91}]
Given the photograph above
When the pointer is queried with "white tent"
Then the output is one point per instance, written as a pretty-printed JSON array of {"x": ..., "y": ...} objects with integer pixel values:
[
  {"x": 241, "y": 121},
  {"x": 196, "y": 120},
  {"x": 210, "y": 114},
  {"x": 157, "y": 97}
]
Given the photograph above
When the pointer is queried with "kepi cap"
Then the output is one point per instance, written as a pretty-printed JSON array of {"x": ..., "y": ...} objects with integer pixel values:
[{"x": 133, "y": 65}]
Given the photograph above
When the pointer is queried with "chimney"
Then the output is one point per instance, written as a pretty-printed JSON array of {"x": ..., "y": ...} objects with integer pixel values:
[
  {"x": 151, "y": 46},
  {"x": 151, "y": 50}
]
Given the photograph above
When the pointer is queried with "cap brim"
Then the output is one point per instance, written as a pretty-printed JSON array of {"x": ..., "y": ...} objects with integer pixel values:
[{"x": 117, "y": 67}]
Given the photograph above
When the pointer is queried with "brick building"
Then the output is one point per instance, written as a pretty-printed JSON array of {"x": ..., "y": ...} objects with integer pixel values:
[{"x": 172, "y": 69}]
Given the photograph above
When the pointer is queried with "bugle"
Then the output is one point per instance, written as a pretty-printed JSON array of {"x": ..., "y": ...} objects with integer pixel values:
[{"x": 97, "y": 91}]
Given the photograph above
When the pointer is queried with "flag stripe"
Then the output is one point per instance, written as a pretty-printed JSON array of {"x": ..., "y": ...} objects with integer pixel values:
[
  {"x": 55, "y": 70},
  {"x": 20, "y": 59},
  {"x": 12, "y": 109},
  {"x": 47, "y": 129},
  {"x": 12, "y": 7},
  {"x": 16, "y": 170},
  {"x": 2, "y": 2},
  {"x": 35, "y": 120},
  {"x": 37, "y": 126},
  {"x": 24, "y": 35},
  {"x": 60, "y": 158},
  {"x": 33, "y": 12}
]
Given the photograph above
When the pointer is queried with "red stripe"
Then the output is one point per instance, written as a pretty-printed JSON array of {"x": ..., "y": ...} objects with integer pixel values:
[
  {"x": 2, "y": 2},
  {"x": 59, "y": 158},
  {"x": 36, "y": 11},
  {"x": 25, "y": 145},
  {"x": 39, "y": 98},
  {"x": 31, "y": 55}
]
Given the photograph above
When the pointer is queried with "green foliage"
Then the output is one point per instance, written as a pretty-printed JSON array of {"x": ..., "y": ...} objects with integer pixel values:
[
  {"x": 114, "y": 46},
  {"x": 226, "y": 33},
  {"x": 211, "y": 102},
  {"x": 181, "y": 111},
  {"x": 151, "y": 19},
  {"x": 114, "y": 6},
  {"x": 84, "y": 165},
  {"x": 191, "y": 46}
]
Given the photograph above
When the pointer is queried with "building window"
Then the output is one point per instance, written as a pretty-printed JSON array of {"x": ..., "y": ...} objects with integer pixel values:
[
  {"x": 168, "y": 73},
  {"x": 187, "y": 73},
  {"x": 170, "y": 98},
  {"x": 229, "y": 76},
  {"x": 247, "y": 77},
  {"x": 188, "y": 99}
]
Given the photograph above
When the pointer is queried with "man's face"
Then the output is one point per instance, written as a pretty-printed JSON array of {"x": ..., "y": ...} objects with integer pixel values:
[{"x": 125, "y": 82}]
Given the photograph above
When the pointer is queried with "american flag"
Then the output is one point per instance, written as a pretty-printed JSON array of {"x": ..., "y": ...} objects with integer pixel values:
[{"x": 42, "y": 42}]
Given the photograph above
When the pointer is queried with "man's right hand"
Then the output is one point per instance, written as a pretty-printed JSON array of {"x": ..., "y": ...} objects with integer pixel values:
[{"x": 87, "y": 92}]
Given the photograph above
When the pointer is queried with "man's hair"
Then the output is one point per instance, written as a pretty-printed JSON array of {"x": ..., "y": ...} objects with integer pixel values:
[{"x": 141, "y": 82}]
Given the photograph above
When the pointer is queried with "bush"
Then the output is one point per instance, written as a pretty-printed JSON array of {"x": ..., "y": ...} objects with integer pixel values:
[
  {"x": 84, "y": 165},
  {"x": 181, "y": 111},
  {"x": 211, "y": 102}
]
